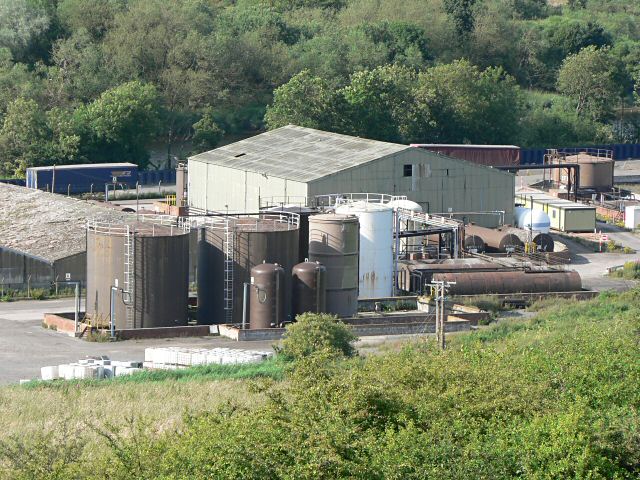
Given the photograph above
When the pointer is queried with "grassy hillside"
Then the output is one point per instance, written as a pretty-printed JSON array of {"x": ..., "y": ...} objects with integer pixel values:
[{"x": 552, "y": 397}]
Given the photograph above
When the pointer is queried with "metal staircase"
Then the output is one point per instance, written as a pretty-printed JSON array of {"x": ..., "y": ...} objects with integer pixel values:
[
  {"x": 129, "y": 275},
  {"x": 228, "y": 271}
]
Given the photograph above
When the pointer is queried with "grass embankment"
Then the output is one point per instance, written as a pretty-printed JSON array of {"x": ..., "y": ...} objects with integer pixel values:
[
  {"x": 552, "y": 397},
  {"x": 629, "y": 271}
]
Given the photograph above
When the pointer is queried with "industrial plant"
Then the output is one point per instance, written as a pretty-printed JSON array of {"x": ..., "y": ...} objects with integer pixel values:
[{"x": 298, "y": 220}]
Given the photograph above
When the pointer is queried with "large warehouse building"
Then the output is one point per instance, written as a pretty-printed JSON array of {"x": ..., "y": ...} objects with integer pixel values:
[
  {"x": 292, "y": 163},
  {"x": 42, "y": 236}
]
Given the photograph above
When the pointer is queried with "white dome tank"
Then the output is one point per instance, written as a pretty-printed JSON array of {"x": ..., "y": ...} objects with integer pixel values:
[
  {"x": 535, "y": 220},
  {"x": 519, "y": 212},
  {"x": 375, "y": 271},
  {"x": 406, "y": 204}
]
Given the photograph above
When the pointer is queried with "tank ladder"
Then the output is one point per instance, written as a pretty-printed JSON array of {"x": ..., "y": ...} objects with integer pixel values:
[
  {"x": 228, "y": 272},
  {"x": 129, "y": 275}
]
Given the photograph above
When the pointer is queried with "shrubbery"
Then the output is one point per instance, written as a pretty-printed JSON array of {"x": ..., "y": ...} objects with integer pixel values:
[{"x": 313, "y": 333}]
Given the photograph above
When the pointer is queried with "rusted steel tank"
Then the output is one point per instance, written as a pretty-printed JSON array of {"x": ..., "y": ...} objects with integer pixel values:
[
  {"x": 478, "y": 283},
  {"x": 496, "y": 240},
  {"x": 334, "y": 242},
  {"x": 473, "y": 243},
  {"x": 309, "y": 288},
  {"x": 266, "y": 300},
  {"x": 414, "y": 275},
  {"x": 544, "y": 242}
]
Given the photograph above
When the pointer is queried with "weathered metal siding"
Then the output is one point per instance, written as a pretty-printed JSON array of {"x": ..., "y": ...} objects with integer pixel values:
[
  {"x": 218, "y": 188},
  {"x": 18, "y": 270},
  {"x": 74, "y": 265},
  {"x": 437, "y": 183}
]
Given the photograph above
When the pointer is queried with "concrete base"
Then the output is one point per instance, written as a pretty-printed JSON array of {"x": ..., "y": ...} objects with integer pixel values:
[
  {"x": 63, "y": 323},
  {"x": 410, "y": 323}
]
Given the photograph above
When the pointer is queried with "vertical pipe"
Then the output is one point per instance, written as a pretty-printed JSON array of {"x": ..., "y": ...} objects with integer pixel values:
[
  {"x": 112, "y": 313},
  {"x": 245, "y": 295},
  {"x": 77, "y": 309}
]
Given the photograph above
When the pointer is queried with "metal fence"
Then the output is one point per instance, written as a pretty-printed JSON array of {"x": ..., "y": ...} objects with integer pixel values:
[{"x": 621, "y": 151}]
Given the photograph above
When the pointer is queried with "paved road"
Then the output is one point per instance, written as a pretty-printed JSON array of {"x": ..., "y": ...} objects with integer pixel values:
[{"x": 25, "y": 346}]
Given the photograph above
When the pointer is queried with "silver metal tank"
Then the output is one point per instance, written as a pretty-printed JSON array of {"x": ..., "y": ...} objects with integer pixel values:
[
  {"x": 309, "y": 288},
  {"x": 376, "y": 247},
  {"x": 266, "y": 296},
  {"x": 148, "y": 263},
  {"x": 334, "y": 242},
  {"x": 249, "y": 241}
]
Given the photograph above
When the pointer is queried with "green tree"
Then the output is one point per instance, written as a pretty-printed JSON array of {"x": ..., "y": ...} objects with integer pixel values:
[
  {"x": 316, "y": 332},
  {"x": 22, "y": 23},
  {"x": 31, "y": 137},
  {"x": 207, "y": 133},
  {"x": 305, "y": 100},
  {"x": 377, "y": 101},
  {"x": 462, "y": 15},
  {"x": 595, "y": 80},
  {"x": 120, "y": 123}
]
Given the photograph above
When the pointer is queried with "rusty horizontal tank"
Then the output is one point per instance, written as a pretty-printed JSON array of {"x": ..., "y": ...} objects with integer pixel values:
[
  {"x": 496, "y": 240},
  {"x": 266, "y": 296},
  {"x": 544, "y": 242},
  {"x": 309, "y": 280},
  {"x": 473, "y": 243},
  {"x": 478, "y": 283},
  {"x": 334, "y": 241},
  {"x": 414, "y": 275}
]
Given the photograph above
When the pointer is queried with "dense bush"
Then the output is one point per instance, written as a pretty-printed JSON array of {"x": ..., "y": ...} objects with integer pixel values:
[
  {"x": 313, "y": 333},
  {"x": 553, "y": 397}
]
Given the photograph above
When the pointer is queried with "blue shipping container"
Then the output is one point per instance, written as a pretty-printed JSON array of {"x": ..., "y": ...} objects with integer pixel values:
[{"x": 81, "y": 178}]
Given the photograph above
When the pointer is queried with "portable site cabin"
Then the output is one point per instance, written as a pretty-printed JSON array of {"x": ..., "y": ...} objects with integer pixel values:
[{"x": 565, "y": 216}]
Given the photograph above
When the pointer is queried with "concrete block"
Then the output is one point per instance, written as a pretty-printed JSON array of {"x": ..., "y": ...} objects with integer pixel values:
[{"x": 49, "y": 373}]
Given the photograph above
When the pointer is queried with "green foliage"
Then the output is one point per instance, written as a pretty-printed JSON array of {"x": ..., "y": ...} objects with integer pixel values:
[
  {"x": 461, "y": 13},
  {"x": 630, "y": 271},
  {"x": 594, "y": 80},
  {"x": 316, "y": 333},
  {"x": 552, "y": 397},
  {"x": 120, "y": 123},
  {"x": 207, "y": 133}
]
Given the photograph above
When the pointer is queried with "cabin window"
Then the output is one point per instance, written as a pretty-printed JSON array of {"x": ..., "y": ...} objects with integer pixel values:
[{"x": 407, "y": 171}]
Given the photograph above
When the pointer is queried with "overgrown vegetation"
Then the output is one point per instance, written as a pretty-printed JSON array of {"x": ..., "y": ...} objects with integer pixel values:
[
  {"x": 551, "y": 397},
  {"x": 630, "y": 271},
  {"x": 93, "y": 81}
]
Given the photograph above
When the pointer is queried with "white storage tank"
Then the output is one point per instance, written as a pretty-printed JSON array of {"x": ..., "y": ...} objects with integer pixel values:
[
  {"x": 535, "y": 220},
  {"x": 375, "y": 276},
  {"x": 410, "y": 244},
  {"x": 632, "y": 216}
]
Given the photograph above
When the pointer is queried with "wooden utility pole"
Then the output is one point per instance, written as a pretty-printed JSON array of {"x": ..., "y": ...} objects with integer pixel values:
[{"x": 440, "y": 288}]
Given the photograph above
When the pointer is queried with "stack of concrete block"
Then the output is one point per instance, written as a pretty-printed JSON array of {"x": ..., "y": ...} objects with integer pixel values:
[
  {"x": 90, "y": 368},
  {"x": 180, "y": 357}
]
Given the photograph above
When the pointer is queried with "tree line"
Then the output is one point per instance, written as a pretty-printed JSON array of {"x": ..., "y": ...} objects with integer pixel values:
[{"x": 99, "y": 80}]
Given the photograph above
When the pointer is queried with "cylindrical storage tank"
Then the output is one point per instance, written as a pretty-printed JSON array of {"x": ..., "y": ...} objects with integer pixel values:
[
  {"x": 333, "y": 241},
  {"x": 266, "y": 301},
  {"x": 596, "y": 173},
  {"x": 473, "y": 243},
  {"x": 376, "y": 247},
  {"x": 253, "y": 241},
  {"x": 535, "y": 220},
  {"x": 478, "y": 283},
  {"x": 495, "y": 240},
  {"x": 303, "y": 235},
  {"x": 409, "y": 245},
  {"x": 544, "y": 242},
  {"x": 309, "y": 288},
  {"x": 151, "y": 265},
  {"x": 518, "y": 212}
]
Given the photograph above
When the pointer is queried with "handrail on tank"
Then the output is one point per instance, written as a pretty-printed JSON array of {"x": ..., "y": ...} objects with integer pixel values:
[
  {"x": 563, "y": 153},
  {"x": 333, "y": 199},
  {"x": 123, "y": 229},
  {"x": 220, "y": 221}
]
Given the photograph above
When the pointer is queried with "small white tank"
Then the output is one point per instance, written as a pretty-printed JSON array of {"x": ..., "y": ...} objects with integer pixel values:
[
  {"x": 535, "y": 220},
  {"x": 406, "y": 204},
  {"x": 519, "y": 212},
  {"x": 375, "y": 270}
]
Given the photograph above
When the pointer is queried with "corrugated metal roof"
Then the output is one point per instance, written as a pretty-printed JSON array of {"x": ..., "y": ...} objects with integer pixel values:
[
  {"x": 462, "y": 145},
  {"x": 542, "y": 197},
  {"x": 298, "y": 153},
  {"x": 47, "y": 225}
]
